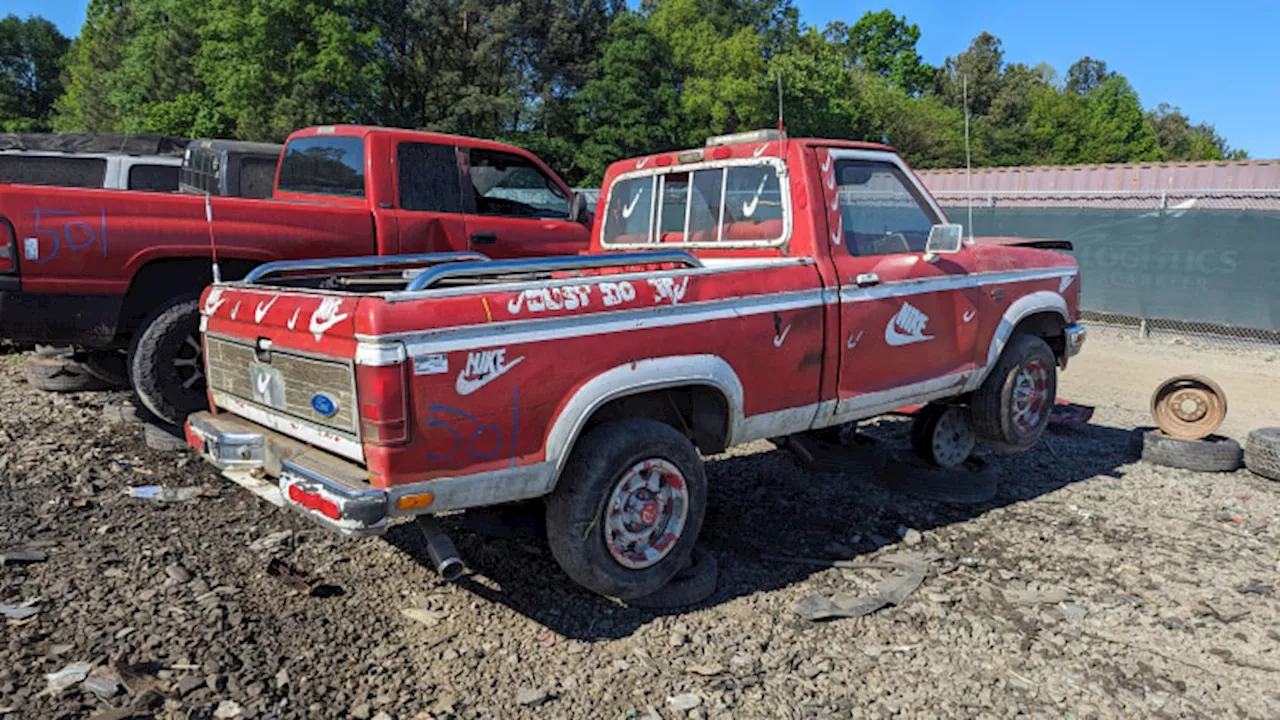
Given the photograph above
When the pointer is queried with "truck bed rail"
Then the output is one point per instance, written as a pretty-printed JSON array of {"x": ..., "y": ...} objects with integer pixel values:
[
  {"x": 523, "y": 266},
  {"x": 355, "y": 263}
]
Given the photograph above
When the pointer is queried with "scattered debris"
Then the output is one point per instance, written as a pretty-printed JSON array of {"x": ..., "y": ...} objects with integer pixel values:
[
  {"x": 159, "y": 494},
  {"x": 1035, "y": 597},
  {"x": 23, "y": 555},
  {"x": 178, "y": 574},
  {"x": 1255, "y": 588},
  {"x": 300, "y": 581},
  {"x": 685, "y": 702},
  {"x": 270, "y": 542},
  {"x": 706, "y": 670},
  {"x": 105, "y": 688},
  {"x": 532, "y": 697},
  {"x": 1069, "y": 413},
  {"x": 228, "y": 709},
  {"x": 69, "y": 676},
  {"x": 892, "y": 591},
  {"x": 430, "y": 618},
  {"x": 18, "y": 612}
]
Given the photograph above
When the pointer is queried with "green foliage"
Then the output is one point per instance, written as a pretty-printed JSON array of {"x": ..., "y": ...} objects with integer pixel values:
[
  {"x": 581, "y": 82},
  {"x": 29, "y": 84}
]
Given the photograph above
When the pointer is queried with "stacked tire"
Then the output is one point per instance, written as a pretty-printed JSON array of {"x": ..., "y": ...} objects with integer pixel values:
[
  {"x": 60, "y": 369},
  {"x": 1262, "y": 453}
]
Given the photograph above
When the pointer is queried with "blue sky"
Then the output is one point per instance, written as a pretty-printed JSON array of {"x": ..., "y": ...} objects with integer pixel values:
[{"x": 1217, "y": 60}]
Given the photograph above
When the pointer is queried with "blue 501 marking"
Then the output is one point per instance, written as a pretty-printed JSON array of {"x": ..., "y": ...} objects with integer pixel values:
[
  {"x": 92, "y": 237},
  {"x": 437, "y": 417}
]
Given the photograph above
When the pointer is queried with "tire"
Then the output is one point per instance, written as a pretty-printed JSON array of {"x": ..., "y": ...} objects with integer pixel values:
[
  {"x": 163, "y": 387},
  {"x": 973, "y": 482},
  {"x": 163, "y": 438},
  {"x": 610, "y": 457},
  {"x": 109, "y": 366},
  {"x": 943, "y": 435},
  {"x": 993, "y": 409},
  {"x": 1212, "y": 454},
  {"x": 1262, "y": 453},
  {"x": 689, "y": 587},
  {"x": 57, "y": 374}
]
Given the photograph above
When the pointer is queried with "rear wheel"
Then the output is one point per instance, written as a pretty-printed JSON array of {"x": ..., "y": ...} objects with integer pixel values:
[
  {"x": 1011, "y": 408},
  {"x": 628, "y": 508},
  {"x": 166, "y": 363}
]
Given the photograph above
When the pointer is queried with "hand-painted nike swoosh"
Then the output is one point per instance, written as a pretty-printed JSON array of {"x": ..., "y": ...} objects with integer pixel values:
[
  {"x": 760, "y": 150},
  {"x": 838, "y": 235},
  {"x": 835, "y": 203},
  {"x": 466, "y": 387},
  {"x": 263, "y": 383},
  {"x": 852, "y": 342},
  {"x": 235, "y": 310},
  {"x": 262, "y": 310},
  {"x": 968, "y": 315},
  {"x": 641, "y": 163},
  {"x": 777, "y": 341},
  {"x": 897, "y": 339},
  {"x": 628, "y": 209},
  {"x": 826, "y": 166},
  {"x": 294, "y": 320}
]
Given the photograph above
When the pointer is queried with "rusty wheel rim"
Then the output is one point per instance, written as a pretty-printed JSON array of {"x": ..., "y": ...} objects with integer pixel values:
[{"x": 1188, "y": 407}]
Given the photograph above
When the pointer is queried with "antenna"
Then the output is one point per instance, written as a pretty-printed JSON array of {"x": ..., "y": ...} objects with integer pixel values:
[
  {"x": 213, "y": 247},
  {"x": 968, "y": 178},
  {"x": 780, "y": 130}
]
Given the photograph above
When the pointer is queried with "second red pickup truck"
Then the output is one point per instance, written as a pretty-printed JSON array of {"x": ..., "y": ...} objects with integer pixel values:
[
  {"x": 117, "y": 270},
  {"x": 754, "y": 288}
]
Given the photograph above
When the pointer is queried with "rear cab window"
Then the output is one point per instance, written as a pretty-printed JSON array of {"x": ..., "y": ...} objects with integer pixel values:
[
  {"x": 730, "y": 203},
  {"x": 154, "y": 178},
  {"x": 330, "y": 165}
]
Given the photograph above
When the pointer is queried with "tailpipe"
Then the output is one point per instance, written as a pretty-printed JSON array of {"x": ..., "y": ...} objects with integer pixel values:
[{"x": 443, "y": 554}]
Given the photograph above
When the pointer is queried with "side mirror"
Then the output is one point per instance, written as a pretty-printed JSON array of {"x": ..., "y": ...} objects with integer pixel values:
[{"x": 944, "y": 239}]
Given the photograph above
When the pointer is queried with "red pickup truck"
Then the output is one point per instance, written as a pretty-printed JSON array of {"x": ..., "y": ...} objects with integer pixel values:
[
  {"x": 110, "y": 270},
  {"x": 754, "y": 288}
]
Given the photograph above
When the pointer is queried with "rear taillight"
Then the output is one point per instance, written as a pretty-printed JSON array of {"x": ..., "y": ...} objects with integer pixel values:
[
  {"x": 383, "y": 395},
  {"x": 8, "y": 247},
  {"x": 315, "y": 501}
]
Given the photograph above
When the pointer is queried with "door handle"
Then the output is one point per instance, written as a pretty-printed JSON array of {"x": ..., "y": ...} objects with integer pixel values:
[
  {"x": 866, "y": 279},
  {"x": 483, "y": 238}
]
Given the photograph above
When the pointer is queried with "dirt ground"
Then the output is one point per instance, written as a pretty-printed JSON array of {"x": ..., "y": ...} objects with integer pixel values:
[{"x": 1092, "y": 586}]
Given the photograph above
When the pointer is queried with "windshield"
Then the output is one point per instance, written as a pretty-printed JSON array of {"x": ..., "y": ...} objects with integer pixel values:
[{"x": 329, "y": 165}]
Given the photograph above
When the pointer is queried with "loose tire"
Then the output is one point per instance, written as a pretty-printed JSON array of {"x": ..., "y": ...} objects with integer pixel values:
[
  {"x": 1212, "y": 454},
  {"x": 55, "y": 373},
  {"x": 1011, "y": 408},
  {"x": 689, "y": 587},
  {"x": 109, "y": 366},
  {"x": 1262, "y": 453},
  {"x": 628, "y": 508},
  {"x": 165, "y": 361},
  {"x": 943, "y": 435}
]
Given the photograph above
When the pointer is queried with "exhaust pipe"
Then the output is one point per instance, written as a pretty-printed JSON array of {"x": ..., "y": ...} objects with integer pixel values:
[{"x": 443, "y": 554}]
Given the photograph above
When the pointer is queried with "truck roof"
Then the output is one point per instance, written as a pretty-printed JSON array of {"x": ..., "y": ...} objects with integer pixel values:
[
  {"x": 734, "y": 146},
  {"x": 419, "y": 135}
]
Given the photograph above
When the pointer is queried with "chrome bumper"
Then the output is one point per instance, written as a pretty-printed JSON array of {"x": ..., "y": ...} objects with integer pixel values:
[
  {"x": 1075, "y": 335},
  {"x": 329, "y": 490}
]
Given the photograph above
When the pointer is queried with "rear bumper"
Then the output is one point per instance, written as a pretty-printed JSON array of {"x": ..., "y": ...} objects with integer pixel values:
[
  {"x": 88, "y": 320},
  {"x": 331, "y": 491},
  {"x": 336, "y": 492}
]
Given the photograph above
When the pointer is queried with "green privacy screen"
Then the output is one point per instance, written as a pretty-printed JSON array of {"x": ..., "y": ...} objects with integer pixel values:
[{"x": 1196, "y": 265}]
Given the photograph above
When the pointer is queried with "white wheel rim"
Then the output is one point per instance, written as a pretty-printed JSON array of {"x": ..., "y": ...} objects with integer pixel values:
[
  {"x": 646, "y": 513},
  {"x": 953, "y": 439}
]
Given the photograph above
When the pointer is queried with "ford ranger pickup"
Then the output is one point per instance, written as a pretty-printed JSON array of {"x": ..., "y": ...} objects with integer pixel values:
[
  {"x": 754, "y": 288},
  {"x": 118, "y": 270}
]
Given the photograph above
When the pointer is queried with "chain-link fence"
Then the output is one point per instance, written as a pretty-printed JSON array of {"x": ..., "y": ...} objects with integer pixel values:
[{"x": 1200, "y": 263}]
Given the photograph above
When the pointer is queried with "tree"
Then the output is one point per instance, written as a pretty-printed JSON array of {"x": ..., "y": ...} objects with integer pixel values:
[
  {"x": 1087, "y": 75},
  {"x": 885, "y": 45},
  {"x": 633, "y": 107},
  {"x": 981, "y": 64},
  {"x": 1180, "y": 140},
  {"x": 1117, "y": 129},
  {"x": 89, "y": 65},
  {"x": 29, "y": 84}
]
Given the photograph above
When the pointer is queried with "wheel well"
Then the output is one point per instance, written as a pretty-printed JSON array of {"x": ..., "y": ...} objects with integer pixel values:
[
  {"x": 159, "y": 280},
  {"x": 701, "y": 412},
  {"x": 1047, "y": 325}
]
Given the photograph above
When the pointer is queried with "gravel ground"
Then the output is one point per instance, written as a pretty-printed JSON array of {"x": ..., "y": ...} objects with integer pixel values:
[{"x": 1091, "y": 586}]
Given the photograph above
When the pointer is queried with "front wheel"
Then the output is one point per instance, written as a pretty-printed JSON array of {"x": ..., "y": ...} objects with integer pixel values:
[
  {"x": 628, "y": 509},
  {"x": 1011, "y": 409}
]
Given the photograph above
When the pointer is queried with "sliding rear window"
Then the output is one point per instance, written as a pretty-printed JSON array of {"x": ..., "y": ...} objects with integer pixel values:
[
  {"x": 324, "y": 165},
  {"x": 737, "y": 204}
]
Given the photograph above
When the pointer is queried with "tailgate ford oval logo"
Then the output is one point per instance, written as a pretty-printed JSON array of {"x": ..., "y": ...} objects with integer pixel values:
[{"x": 324, "y": 404}]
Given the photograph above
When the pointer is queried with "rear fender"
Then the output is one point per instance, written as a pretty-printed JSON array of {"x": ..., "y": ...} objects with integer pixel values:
[{"x": 634, "y": 378}]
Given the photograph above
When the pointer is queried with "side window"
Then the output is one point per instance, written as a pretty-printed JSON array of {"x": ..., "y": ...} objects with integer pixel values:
[
  {"x": 513, "y": 186},
  {"x": 883, "y": 213},
  {"x": 257, "y": 175},
  {"x": 429, "y": 177},
  {"x": 158, "y": 178}
]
